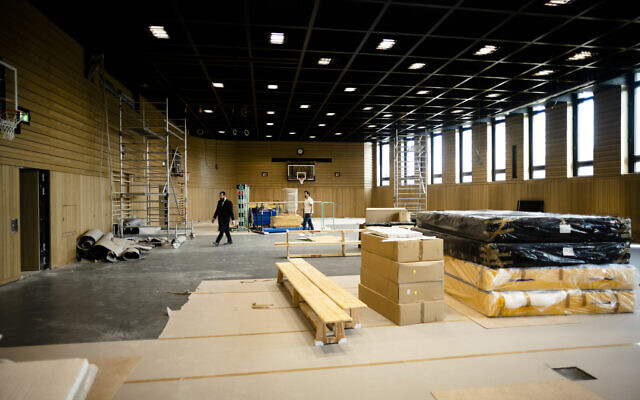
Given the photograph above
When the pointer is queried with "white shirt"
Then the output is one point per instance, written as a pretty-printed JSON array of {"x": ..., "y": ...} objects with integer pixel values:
[{"x": 308, "y": 205}]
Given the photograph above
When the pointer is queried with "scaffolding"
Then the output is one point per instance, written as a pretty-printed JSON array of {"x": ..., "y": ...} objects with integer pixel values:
[
  {"x": 150, "y": 180},
  {"x": 410, "y": 172}
]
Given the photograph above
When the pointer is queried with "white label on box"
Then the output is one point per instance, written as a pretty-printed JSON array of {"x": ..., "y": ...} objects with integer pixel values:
[
  {"x": 408, "y": 291},
  {"x": 565, "y": 228},
  {"x": 568, "y": 252}
]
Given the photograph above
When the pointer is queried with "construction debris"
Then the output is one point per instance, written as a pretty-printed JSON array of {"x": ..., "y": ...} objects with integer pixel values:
[
  {"x": 257, "y": 306},
  {"x": 93, "y": 245}
]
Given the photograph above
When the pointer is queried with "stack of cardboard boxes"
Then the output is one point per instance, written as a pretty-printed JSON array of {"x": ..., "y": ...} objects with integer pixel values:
[{"x": 403, "y": 278}]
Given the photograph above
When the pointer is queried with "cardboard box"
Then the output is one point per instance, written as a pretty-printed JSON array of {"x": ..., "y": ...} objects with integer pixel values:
[
  {"x": 403, "y": 272},
  {"x": 400, "y": 250},
  {"x": 286, "y": 221},
  {"x": 402, "y": 314},
  {"x": 402, "y": 293},
  {"x": 431, "y": 249},
  {"x": 379, "y": 215}
]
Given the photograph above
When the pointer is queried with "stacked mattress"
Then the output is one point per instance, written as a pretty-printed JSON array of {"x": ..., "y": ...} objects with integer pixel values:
[{"x": 508, "y": 263}]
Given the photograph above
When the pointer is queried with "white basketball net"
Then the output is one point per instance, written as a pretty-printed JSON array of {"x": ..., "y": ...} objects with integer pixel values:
[
  {"x": 9, "y": 120},
  {"x": 301, "y": 177}
]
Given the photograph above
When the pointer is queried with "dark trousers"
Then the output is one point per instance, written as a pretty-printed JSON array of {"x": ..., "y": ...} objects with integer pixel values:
[
  {"x": 223, "y": 233},
  {"x": 306, "y": 220}
]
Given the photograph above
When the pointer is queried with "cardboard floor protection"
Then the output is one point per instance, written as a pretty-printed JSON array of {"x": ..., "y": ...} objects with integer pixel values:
[
  {"x": 506, "y": 322},
  {"x": 112, "y": 372},
  {"x": 556, "y": 390}
]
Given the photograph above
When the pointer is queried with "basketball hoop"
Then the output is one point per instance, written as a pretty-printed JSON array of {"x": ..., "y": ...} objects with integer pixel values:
[
  {"x": 9, "y": 120},
  {"x": 301, "y": 176}
]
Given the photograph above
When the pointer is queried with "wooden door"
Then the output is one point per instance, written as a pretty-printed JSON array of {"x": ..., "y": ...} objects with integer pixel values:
[
  {"x": 29, "y": 220},
  {"x": 9, "y": 224}
]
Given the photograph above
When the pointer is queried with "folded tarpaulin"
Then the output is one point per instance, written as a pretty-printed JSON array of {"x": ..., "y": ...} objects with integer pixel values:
[
  {"x": 532, "y": 254},
  {"x": 589, "y": 277},
  {"x": 550, "y": 302},
  {"x": 526, "y": 227}
]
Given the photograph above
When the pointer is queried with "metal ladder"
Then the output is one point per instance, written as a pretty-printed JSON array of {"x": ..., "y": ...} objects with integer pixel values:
[{"x": 410, "y": 172}]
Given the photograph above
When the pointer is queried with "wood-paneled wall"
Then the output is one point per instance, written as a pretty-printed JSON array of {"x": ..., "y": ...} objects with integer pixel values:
[
  {"x": 607, "y": 105},
  {"x": 479, "y": 163}
]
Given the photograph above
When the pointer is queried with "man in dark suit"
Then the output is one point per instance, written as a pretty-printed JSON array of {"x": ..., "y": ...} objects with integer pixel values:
[{"x": 224, "y": 213}]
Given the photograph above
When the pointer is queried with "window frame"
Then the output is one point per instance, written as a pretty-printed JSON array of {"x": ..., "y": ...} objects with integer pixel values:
[
  {"x": 463, "y": 174},
  {"x": 495, "y": 171},
  {"x": 381, "y": 179},
  {"x": 575, "y": 101},
  {"x": 633, "y": 82},
  {"x": 532, "y": 168},
  {"x": 432, "y": 151}
]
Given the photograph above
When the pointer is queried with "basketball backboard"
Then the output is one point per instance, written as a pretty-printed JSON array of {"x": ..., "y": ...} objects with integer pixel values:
[{"x": 295, "y": 171}]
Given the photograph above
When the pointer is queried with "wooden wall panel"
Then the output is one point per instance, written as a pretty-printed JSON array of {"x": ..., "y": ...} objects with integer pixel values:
[
  {"x": 515, "y": 130},
  {"x": 607, "y": 133},
  {"x": 9, "y": 209},
  {"x": 556, "y": 151},
  {"x": 479, "y": 143},
  {"x": 448, "y": 157}
]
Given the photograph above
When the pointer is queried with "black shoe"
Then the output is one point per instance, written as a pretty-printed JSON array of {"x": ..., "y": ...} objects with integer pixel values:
[
  {"x": 216, "y": 244},
  {"x": 227, "y": 243}
]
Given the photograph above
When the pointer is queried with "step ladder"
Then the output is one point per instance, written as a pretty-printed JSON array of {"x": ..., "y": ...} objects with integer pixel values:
[{"x": 410, "y": 172}]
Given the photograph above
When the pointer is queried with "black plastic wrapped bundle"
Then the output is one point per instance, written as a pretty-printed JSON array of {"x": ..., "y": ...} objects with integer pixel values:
[
  {"x": 532, "y": 254},
  {"x": 494, "y": 226}
]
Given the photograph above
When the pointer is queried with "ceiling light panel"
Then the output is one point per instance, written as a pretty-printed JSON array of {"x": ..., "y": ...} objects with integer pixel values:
[
  {"x": 218, "y": 85},
  {"x": 324, "y": 61},
  {"x": 544, "y": 72},
  {"x": 272, "y": 87},
  {"x": 208, "y": 111},
  {"x": 338, "y": 133},
  {"x": 271, "y": 112},
  {"x": 556, "y": 3},
  {"x": 277, "y": 38},
  {"x": 422, "y": 92},
  {"x": 304, "y": 106},
  {"x": 486, "y": 50},
  {"x": 158, "y": 32},
  {"x": 417, "y": 66},
  {"x": 582, "y": 55},
  {"x": 349, "y": 89},
  {"x": 330, "y": 114},
  {"x": 386, "y": 44},
  {"x": 367, "y": 108}
]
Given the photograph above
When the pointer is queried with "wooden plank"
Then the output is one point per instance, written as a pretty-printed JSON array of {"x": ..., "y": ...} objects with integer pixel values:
[
  {"x": 312, "y": 255},
  {"x": 338, "y": 243},
  {"x": 338, "y": 294},
  {"x": 326, "y": 308}
]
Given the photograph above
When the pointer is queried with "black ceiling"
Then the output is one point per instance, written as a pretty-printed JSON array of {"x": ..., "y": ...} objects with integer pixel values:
[{"x": 228, "y": 42}]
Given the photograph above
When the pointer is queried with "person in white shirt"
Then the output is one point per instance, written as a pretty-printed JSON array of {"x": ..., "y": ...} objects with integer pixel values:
[{"x": 307, "y": 212}]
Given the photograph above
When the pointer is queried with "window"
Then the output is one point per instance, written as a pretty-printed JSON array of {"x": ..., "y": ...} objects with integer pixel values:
[
  {"x": 383, "y": 164},
  {"x": 465, "y": 155},
  {"x": 499, "y": 144},
  {"x": 436, "y": 158},
  {"x": 634, "y": 133},
  {"x": 583, "y": 134},
  {"x": 537, "y": 142}
]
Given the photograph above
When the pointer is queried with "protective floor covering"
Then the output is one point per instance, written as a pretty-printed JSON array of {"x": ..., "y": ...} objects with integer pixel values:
[
  {"x": 377, "y": 362},
  {"x": 555, "y": 390}
]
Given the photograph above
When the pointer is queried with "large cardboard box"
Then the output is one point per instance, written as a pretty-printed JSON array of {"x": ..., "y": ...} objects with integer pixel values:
[
  {"x": 431, "y": 249},
  {"x": 286, "y": 221},
  {"x": 402, "y": 314},
  {"x": 402, "y": 292},
  {"x": 403, "y": 272},
  {"x": 380, "y": 215},
  {"x": 397, "y": 250}
]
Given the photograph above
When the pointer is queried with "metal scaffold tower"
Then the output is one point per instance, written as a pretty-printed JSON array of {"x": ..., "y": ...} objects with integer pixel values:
[
  {"x": 410, "y": 172},
  {"x": 150, "y": 180}
]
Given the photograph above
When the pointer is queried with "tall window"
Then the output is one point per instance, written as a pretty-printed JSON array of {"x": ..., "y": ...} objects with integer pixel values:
[
  {"x": 499, "y": 154},
  {"x": 537, "y": 142},
  {"x": 465, "y": 155},
  {"x": 583, "y": 134},
  {"x": 634, "y": 134},
  {"x": 383, "y": 164},
  {"x": 436, "y": 158}
]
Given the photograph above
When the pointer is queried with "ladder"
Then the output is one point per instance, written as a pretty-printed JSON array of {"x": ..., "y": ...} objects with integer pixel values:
[{"x": 410, "y": 172}]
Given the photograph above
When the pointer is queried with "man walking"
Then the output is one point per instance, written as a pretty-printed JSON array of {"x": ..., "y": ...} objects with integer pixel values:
[
  {"x": 308, "y": 211},
  {"x": 224, "y": 213}
]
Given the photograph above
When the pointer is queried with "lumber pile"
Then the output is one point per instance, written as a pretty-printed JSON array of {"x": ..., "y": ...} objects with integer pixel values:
[
  {"x": 507, "y": 263},
  {"x": 286, "y": 221},
  {"x": 401, "y": 275}
]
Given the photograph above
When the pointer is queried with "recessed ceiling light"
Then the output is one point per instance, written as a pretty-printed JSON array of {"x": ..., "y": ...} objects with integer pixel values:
[
  {"x": 271, "y": 112},
  {"x": 292, "y": 133},
  {"x": 367, "y": 108},
  {"x": 158, "y": 32},
  {"x": 218, "y": 84},
  {"x": 276, "y": 38},
  {"x": 386, "y": 44},
  {"x": 208, "y": 111},
  {"x": 272, "y": 87},
  {"x": 387, "y": 116},
  {"x": 421, "y": 127},
  {"x": 330, "y": 114},
  {"x": 269, "y": 123},
  {"x": 349, "y": 89},
  {"x": 584, "y": 54},
  {"x": 338, "y": 133},
  {"x": 268, "y": 136},
  {"x": 466, "y": 117},
  {"x": 312, "y": 137},
  {"x": 371, "y": 126},
  {"x": 493, "y": 95},
  {"x": 304, "y": 106},
  {"x": 322, "y": 125},
  {"x": 544, "y": 72},
  {"x": 220, "y": 131},
  {"x": 324, "y": 61},
  {"x": 422, "y": 92},
  {"x": 417, "y": 66},
  {"x": 456, "y": 111},
  {"x": 486, "y": 50},
  {"x": 555, "y": 3}
]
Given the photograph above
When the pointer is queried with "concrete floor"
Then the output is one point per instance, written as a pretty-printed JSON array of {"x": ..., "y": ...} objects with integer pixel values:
[{"x": 87, "y": 302}]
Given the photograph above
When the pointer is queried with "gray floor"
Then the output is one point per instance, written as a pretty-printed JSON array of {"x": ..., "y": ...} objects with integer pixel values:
[{"x": 86, "y": 302}]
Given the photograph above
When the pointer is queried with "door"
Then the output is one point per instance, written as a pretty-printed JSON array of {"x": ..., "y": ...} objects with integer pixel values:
[
  {"x": 9, "y": 224},
  {"x": 29, "y": 215}
]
